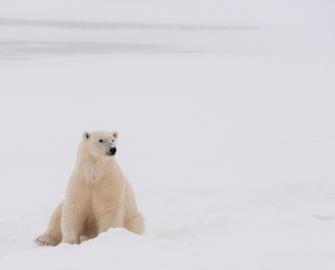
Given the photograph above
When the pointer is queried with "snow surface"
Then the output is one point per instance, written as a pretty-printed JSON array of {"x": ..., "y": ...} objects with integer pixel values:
[{"x": 225, "y": 111}]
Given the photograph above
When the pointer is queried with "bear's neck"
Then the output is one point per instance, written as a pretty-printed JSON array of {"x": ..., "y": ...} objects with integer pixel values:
[{"x": 92, "y": 167}]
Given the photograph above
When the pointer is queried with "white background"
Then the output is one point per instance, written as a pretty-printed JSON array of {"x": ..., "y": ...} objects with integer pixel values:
[{"x": 225, "y": 111}]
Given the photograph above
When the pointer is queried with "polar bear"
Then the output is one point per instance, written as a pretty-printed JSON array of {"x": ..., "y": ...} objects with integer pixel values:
[{"x": 98, "y": 196}]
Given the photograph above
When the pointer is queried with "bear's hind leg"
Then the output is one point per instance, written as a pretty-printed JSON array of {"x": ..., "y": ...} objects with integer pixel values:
[
  {"x": 53, "y": 235},
  {"x": 135, "y": 223}
]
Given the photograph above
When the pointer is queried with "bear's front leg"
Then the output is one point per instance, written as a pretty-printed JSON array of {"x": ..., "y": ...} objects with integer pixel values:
[
  {"x": 72, "y": 224},
  {"x": 108, "y": 219}
]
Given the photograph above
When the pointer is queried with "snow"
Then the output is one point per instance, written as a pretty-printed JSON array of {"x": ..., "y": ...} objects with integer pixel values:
[{"x": 225, "y": 111}]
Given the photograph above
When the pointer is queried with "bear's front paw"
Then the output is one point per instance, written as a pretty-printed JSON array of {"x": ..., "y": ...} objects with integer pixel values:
[
  {"x": 71, "y": 241},
  {"x": 84, "y": 238},
  {"x": 45, "y": 240}
]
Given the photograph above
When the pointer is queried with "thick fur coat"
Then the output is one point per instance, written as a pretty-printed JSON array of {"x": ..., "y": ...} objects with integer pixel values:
[{"x": 98, "y": 196}]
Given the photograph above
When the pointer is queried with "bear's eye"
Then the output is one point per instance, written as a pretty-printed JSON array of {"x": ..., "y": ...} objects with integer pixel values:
[{"x": 101, "y": 140}]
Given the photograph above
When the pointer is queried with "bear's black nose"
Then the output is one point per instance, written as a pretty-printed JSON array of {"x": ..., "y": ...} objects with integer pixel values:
[{"x": 112, "y": 151}]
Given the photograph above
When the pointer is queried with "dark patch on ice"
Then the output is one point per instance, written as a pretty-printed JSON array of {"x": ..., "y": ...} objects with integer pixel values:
[
  {"x": 323, "y": 217},
  {"x": 100, "y": 25},
  {"x": 26, "y": 49}
]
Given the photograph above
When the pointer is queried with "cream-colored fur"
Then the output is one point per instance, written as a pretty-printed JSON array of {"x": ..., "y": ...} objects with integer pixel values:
[{"x": 98, "y": 196}]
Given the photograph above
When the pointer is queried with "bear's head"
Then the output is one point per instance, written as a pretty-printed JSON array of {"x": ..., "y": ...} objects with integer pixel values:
[{"x": 100, "y": 143}]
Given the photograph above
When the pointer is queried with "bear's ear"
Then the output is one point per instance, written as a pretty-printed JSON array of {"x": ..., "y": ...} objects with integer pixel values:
[
  {"x": 86, "y": 135},
  {"x": 115, "y": 134}
]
